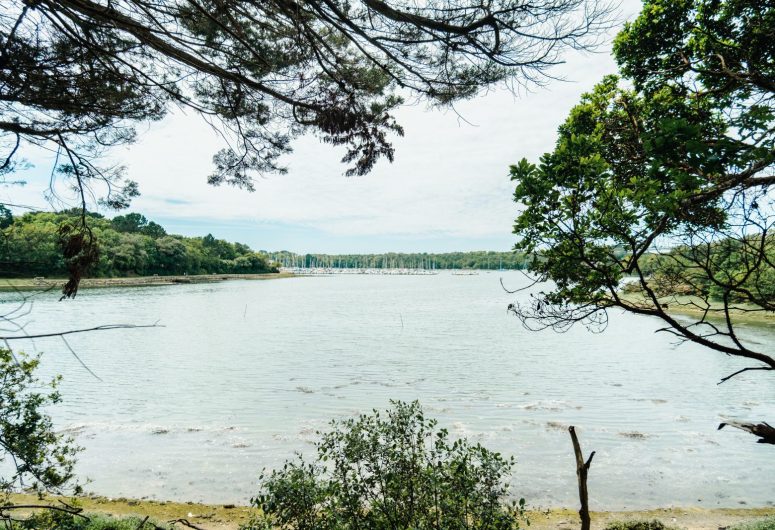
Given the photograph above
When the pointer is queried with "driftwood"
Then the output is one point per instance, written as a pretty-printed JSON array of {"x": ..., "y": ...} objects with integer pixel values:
[
  {"x": 185, "y": 522},
  {"x": 581, "y": 472},
  {"x": 764, "y": 431}
]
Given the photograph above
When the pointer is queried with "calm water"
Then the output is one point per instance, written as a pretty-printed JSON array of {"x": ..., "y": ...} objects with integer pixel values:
[{"x": 243, "y": 373}]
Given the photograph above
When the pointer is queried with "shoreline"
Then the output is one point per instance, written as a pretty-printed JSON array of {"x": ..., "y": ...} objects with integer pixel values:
[
  {"x": 230, "y": 516},
  {"x": 681, "y": 306},
  {"x": 43, "y": 284}
]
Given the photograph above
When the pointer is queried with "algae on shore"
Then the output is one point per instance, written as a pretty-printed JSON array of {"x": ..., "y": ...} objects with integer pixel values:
[{"x": 230, "y": 517}]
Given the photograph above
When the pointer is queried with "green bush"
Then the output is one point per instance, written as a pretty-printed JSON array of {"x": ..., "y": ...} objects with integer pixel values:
[
  {"x": 33, "y": 454},
  {"x": 393, "y": 471}
]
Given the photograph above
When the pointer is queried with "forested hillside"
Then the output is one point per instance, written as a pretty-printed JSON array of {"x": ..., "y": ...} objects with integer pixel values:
[
  {"x": 128, "y": 245},
  {"x": 742, "y": 270}
]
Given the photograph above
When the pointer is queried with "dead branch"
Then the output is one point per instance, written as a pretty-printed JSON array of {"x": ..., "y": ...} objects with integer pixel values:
[
  {"x": 105, "y": 327},
  {"x": 750, "y": 368},
  {"x": 764, "y": 431},
  {"x": 185, "y": 522},
  {"x": 72, "y": 510},
  {"x": 582, "y": 468}
]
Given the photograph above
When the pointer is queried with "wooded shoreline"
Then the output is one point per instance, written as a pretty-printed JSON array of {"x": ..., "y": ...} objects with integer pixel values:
[
  {"x": 682, "y": 305},
  {"x": 36, "y": 284}
]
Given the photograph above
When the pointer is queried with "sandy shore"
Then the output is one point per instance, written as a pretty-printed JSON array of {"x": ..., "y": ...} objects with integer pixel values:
[
  {"x": 229, "y": 517},
  {"x": 35, "y": 284}
]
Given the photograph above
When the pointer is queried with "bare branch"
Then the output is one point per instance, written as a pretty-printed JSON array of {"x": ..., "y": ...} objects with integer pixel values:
[{"x": 106, "y": 327}]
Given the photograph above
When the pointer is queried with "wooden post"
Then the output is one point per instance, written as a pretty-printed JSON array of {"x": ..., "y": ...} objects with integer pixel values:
[{"x": 581, "y": 472}]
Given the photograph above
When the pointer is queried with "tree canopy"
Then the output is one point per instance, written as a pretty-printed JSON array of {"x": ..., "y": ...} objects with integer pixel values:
[
  {"x": 128, "y": 245},
  {"x": 672, "y": 161},
  {"x": 78, "y": 74}
]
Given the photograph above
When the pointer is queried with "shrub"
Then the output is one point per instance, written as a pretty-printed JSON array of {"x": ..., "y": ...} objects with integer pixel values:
[
  {"x": 394, "y": 471},
  {"x": 32, "y": 454}
]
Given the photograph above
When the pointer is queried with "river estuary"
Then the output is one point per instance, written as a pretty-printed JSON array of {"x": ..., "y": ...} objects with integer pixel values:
[{"x": 243, "y": 373}]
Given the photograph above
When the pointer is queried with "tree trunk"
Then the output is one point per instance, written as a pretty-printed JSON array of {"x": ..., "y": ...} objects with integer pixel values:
[{"x": 581, "y": 472}]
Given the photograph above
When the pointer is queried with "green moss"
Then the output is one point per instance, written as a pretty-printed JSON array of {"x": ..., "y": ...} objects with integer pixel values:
[{"x": 637, "y": 525}]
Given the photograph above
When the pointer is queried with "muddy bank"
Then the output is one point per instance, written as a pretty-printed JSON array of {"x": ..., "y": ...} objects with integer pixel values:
[
  {"x": 229, "y": 516},
  {"x": 35, "y": 284}
]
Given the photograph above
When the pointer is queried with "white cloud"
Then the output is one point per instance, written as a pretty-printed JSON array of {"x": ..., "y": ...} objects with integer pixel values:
[{"x": 450, "y": 179}]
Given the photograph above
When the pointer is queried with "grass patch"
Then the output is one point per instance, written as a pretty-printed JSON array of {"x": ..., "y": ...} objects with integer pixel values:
[
  {"x": 64, "y": 521},
  {"x": 763, "y": 524},
  {"x": 207, "y": 515}
]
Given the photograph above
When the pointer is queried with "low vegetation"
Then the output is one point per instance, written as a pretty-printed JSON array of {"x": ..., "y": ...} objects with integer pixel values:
[
  {"x": 767, "y": 523},
  {"x": 55, "y": 520}
]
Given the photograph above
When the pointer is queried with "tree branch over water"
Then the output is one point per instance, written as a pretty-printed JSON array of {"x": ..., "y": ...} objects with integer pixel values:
[
  {"x": 106, "y": 327},
  {"x": 659, "y": 197}
]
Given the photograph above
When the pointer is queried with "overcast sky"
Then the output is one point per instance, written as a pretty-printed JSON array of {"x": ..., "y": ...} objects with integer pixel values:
[{"x": 447, "y": 190}]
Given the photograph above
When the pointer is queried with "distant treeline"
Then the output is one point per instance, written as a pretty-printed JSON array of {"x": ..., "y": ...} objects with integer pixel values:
[
  {"x": 450, "y": 260},
  {"x": 129, "y": 245}
]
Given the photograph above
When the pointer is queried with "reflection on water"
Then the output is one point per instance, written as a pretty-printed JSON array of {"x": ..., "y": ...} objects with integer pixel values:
[{"x": 245, "y": 373}]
